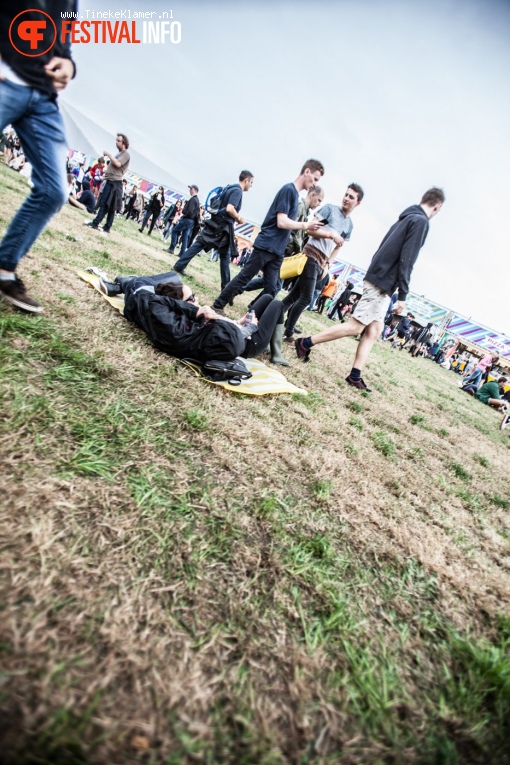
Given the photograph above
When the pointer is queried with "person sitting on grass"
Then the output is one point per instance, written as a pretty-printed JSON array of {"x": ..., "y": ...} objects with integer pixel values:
[
  {"x": 171, "y": 316},
  {"x": 85, "y": 200},
  {"x": 490, "y": 393}
]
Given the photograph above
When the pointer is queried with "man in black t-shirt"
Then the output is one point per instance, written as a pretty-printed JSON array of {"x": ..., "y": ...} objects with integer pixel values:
[
  {"x": 218, "y": 231},
  {"x": 190, "y": 213},
  {"x": 270, "y": 244}
]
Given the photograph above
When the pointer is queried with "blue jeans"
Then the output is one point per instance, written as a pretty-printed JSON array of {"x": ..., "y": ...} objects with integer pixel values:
[
  {"x": 186, "y": 226},
  {"x": 474, "y": 378},
  {"x": 38, "y": 122}
]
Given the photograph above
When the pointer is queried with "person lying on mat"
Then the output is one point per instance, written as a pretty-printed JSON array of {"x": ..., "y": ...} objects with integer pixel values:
[{"x": 171, "y": 316}]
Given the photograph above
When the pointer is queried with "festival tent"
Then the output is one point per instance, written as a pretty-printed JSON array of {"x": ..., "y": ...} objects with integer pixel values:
[
  {"x": 86, "y": 136},
  {"x": 87, "y": 141}
]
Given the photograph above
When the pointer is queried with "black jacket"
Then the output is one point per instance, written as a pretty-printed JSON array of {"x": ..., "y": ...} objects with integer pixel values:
[
  {"x": 191, "y": 208},
  {"x": 31, "y": 69},
  {"x": 345, "y": 297},
  {"x": 393, "y": 262},
  {"x": 173, "y": 327}
]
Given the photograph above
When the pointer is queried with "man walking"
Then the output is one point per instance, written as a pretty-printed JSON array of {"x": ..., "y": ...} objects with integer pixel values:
[
  {"x": 270, "y": 244},
  {"x": 190, "y": 214},
  {"x": 218, "y": 230},
  {"x": 111, "y": 195},
  {"x": 390, "y": 269},
  {"x": 320, "y": 250},
  {"x": 29, "y": 85}
]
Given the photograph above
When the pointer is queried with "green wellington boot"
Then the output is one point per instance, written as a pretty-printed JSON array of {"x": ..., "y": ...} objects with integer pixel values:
[{"x": 276, "y": 347}]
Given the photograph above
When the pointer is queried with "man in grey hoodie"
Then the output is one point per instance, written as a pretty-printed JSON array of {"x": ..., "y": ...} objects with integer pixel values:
[{"x": 389, "y": 270}]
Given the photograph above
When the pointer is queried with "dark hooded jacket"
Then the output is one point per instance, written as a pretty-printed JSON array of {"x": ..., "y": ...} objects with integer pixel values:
[
  {"x": 392, "y": 264},
  {"x": 174, "y": 328}
]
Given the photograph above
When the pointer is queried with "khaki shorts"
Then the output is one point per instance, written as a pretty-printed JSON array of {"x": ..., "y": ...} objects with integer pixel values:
[{"x": 372, "y": 306}]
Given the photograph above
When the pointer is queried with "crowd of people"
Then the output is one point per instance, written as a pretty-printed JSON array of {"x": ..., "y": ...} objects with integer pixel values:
[
  {"x": 297, "y": 225},
  {"x": 305, "y": 225}
]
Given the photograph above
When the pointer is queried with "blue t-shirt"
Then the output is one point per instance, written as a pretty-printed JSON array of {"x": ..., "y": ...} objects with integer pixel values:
[
  {"x": 336, "y": 219},
  {"x": 272, "y": 238},
  {"x": 233, "y": 195}
]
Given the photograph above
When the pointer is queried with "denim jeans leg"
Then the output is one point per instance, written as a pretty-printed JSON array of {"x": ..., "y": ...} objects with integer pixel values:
[
  {"x": 39, "y": 124},
  {"x": 176, "y": 230},
  {"x": 186, "y": 232},
  {"x": 183, "y": 225}
]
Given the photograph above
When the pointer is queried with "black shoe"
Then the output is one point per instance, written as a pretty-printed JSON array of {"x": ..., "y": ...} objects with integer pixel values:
[
  {"x": 14, "y": 291},
  {"x": 359, "y": 384},
  {"x": 178, "y": 271},
  {"x": 109, "y": 288},
  {"x": 169, "y": 249},
  {"x": 302, "y": 352},
  {"x": 298, "y": 330},
  {"x": 90, "y": 224}
]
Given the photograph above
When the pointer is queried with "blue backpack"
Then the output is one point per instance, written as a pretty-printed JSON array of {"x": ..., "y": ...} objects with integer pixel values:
[{"x": 214, "y": 198}]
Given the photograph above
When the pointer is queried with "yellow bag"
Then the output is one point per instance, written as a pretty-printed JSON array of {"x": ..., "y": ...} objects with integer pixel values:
[{"x": 293, "y": 266}]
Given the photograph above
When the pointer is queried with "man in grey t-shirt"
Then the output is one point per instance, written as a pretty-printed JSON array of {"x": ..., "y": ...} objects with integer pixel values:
[{"x": 111, "y": 195}]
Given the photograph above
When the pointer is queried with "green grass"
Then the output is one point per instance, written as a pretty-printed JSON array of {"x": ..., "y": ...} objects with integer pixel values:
[{"x": 383, "y": 444}]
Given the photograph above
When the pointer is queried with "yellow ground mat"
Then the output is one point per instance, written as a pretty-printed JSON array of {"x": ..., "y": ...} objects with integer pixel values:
[{"x": 264, "y": 380}]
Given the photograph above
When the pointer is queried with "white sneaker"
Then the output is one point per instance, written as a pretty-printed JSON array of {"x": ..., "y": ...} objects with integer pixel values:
[{"x": 505, "y": 422}]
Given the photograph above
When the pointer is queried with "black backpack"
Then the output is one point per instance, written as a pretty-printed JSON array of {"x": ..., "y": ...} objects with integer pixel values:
[{"x": 233, "y": 372}]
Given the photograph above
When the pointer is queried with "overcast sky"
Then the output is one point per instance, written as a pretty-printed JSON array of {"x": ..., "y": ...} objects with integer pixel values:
[{"x": 397, "y": 96}]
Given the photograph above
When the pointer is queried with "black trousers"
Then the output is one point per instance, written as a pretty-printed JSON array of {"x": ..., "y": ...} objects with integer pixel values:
[
  {"x": 269, "y": 313},
  {"x": 300, "y": 296},
  {"x": 260, "y": 260}
]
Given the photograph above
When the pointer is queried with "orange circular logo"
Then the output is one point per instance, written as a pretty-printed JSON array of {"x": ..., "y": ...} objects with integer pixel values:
[{"x": 32, "y": 33}]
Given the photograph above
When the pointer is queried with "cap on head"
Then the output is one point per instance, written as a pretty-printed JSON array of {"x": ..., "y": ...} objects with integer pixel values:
[{"x": 193, "y": 186}]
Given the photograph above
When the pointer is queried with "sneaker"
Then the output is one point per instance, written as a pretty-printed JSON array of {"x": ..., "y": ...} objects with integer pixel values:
[
  {"x": 90, "y": 224},
  {"x": 359, "y": 384},
  {"x": 14, "y": 291},
  {"x": 170, "y": 250},
  {"x": 109, "y": 288},
  {"x": 302, "y": 352},
  {"x": 289, "y": 339},
  {"x": 505, "y": 422},
  {"x": 103, "y": 232}
]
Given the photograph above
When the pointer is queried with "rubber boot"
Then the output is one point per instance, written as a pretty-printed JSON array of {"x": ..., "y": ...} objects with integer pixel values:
[{"x": 276, "y": 347}]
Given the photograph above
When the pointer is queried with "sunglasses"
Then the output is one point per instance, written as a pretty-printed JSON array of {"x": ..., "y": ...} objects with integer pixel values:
[{"x": 191, "y": 298}]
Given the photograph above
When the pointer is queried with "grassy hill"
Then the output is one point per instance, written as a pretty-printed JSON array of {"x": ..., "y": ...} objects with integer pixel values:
[{"x": 194, "y": 576}]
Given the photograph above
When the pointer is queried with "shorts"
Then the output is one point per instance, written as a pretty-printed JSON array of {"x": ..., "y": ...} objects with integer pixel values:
[{"x": 373, "y": 305}]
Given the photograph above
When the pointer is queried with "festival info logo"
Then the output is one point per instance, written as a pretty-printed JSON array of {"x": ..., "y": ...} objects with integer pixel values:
[{"x": 32, "y": 33}]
